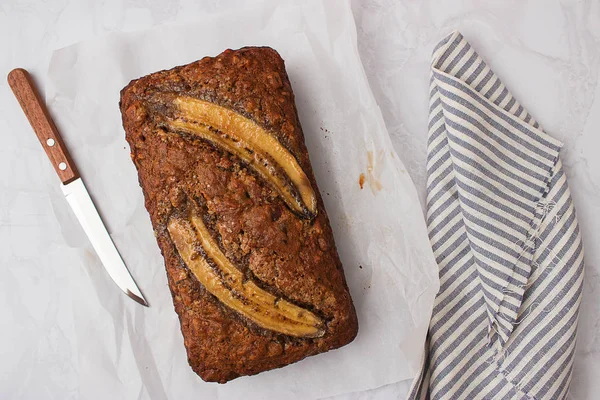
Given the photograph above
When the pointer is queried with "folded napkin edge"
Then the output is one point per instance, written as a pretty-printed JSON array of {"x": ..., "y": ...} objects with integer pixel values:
[{"x": 554, "y": 144}]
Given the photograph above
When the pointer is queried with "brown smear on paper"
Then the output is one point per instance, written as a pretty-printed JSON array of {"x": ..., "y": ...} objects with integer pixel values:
[{"x": 372, "y": 175}]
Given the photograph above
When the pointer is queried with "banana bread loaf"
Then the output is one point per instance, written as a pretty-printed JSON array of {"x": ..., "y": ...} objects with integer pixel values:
[{"x": 250, "y": 257}]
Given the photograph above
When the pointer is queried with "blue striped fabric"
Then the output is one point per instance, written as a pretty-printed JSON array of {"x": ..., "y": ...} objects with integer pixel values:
[{"x": 504, "y": 232}]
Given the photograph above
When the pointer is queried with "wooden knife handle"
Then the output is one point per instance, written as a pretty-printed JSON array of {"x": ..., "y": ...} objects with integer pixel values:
[{"x": 34, "y": 108}]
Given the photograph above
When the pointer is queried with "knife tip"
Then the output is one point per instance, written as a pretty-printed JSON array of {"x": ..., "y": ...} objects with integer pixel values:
[{"x": 139, "y": 298}]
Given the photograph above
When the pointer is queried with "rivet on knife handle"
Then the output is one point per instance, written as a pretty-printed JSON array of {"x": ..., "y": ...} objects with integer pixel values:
[{"x": 34, "y": 108}]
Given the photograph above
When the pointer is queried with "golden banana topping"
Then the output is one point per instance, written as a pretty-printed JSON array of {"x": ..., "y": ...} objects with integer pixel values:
[
  {"x": 254, "y": 145},
  {"x": 226, "y": 283}
]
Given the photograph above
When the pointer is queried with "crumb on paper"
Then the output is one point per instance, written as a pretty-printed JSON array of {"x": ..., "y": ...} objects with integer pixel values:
[{"x": 372, "y": 174}]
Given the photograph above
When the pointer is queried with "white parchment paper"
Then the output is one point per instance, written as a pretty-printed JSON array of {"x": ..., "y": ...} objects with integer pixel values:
[{"x": 128, "y": 351}]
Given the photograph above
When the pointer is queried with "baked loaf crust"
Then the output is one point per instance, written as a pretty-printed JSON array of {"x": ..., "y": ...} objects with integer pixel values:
[{"x": 250, "y": 256}]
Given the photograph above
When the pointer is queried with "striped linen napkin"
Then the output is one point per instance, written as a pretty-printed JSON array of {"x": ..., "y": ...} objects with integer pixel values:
[{"x": 504, "y": 232}]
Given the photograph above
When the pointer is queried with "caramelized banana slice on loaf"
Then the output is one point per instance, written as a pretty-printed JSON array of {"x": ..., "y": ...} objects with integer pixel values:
[
  {"x": 223, "y": 280},
  {"x": 260, "y": 150}
]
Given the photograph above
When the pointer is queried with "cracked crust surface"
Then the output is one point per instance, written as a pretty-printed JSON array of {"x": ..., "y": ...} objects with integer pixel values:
[{"x": 290, "y": 257}]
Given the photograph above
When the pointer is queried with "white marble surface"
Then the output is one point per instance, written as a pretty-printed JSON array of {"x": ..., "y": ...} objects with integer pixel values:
[{"x": 546, "y": 51}]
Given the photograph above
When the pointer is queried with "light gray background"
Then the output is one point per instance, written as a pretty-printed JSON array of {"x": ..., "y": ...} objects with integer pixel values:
[{"x": 546, "y": 51}]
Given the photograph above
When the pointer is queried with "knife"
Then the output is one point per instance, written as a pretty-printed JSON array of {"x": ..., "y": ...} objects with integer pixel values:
[{"x": 72, "y": 186}]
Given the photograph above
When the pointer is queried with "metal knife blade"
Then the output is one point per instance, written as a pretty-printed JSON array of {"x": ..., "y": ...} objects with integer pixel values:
[
  {"x": 73, "y": 188},
  {"x": 82, "y": 205}
]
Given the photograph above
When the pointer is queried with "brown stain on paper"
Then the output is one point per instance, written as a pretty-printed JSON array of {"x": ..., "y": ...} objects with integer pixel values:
[{"x": 372, "y": 175}]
